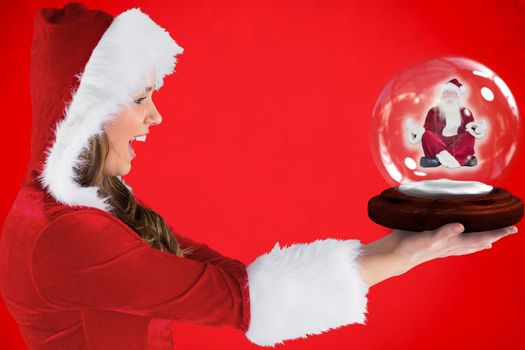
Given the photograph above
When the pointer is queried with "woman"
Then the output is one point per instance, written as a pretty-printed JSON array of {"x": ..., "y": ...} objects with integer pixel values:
[{"x": 84, "y": 263}]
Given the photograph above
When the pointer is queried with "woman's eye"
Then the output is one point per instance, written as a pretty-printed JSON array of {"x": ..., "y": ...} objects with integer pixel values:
[{"x": 139, "y": 101}]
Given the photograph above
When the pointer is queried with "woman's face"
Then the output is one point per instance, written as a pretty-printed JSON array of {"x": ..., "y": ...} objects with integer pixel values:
[{"x": 134, "y": 120}]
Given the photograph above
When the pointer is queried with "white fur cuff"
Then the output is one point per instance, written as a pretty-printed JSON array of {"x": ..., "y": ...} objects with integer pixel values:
[{"x": 305, "y": 289}]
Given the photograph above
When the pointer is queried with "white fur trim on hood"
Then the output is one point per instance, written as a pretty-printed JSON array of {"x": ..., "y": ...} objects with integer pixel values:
[
  {"x": 132, "y": 48},
  {"x": 305, "y": 289}
]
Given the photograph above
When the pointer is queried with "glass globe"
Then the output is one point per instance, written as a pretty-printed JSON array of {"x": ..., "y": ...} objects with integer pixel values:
[{"x": 448, "y": 119}]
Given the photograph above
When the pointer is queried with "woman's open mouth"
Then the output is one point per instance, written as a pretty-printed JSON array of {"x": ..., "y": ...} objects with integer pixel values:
[{"x": 141, "y": 138}]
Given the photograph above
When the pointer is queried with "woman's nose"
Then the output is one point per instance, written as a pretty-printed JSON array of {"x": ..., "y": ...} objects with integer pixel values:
[
  {"x": 156, "y": 119},
  {"x": 154, "y": 116}
]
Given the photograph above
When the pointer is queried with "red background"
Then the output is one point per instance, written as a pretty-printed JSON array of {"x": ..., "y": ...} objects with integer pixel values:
[{"x": 265, "y": 139}]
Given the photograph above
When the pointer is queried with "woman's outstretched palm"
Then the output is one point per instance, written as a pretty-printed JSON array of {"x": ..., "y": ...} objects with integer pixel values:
[{"x": 401, "y": 251}]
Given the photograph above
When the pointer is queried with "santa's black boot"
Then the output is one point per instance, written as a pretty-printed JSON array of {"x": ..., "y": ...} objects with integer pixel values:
[
  {"x": 471, "y": 162},
  {"x": 429, "y": 162}
]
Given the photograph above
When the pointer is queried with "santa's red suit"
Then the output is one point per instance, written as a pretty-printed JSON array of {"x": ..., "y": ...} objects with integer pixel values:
[
  {"x": 74, "y": 276},
  {"x": 460, "y": 146}
]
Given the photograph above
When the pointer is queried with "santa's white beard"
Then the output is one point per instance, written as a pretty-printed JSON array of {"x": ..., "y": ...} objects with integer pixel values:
[{"x": 450, "y": 111}]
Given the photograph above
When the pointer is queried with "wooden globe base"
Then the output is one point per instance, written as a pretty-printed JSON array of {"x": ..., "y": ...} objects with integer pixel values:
[{"x": 397, "y": 210}]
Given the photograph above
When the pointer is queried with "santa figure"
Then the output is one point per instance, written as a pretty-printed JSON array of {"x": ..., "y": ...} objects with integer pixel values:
[{"x": 449, "y": 132}]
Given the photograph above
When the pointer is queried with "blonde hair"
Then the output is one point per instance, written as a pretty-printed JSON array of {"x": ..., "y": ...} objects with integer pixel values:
[{"x": 149, "y": 225}]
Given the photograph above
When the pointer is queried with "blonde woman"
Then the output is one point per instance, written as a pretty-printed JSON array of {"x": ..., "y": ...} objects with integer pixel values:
[{"x": 85, "y": 264}]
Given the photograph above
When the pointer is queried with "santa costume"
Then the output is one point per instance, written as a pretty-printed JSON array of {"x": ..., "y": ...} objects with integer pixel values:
[
  {"x": 74, "y": 276},
  {"x": 449, "y": 132}
]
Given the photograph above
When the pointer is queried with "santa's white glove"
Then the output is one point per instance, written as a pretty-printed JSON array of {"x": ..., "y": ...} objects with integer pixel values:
[
  {"x": 415, "y": 132},
  {"x": 478, "y": 130}
]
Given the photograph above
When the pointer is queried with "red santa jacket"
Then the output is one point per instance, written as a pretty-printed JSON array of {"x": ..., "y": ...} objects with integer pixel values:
[
  {"x": 73, "y": 276},
  {"x": 433, "y": 123},
  {"x": 78, "y": 278}
]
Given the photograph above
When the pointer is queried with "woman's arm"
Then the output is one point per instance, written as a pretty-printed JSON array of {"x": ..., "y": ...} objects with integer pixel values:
[
  {"x": 401, "y": 251},
  {"x": 89, "y": 259},
  {"x": 202, "y": 252}
]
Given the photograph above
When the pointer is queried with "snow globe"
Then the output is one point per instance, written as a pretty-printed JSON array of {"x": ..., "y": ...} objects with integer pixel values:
[{"x": 443, "y": 134}]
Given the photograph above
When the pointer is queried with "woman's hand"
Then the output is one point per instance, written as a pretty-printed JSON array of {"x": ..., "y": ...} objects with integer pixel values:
[
  {"x": 401, "y": 251},
  {"x": 446, "y": 241}
]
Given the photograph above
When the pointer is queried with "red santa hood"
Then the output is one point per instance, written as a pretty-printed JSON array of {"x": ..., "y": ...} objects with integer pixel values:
[{"x": 85, "y": 66}]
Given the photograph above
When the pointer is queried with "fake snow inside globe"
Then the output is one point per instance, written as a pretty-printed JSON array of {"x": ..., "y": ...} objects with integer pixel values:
[{"x": 447, "y": 128}]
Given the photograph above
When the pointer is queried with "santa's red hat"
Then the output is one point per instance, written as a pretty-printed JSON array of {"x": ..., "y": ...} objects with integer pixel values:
[
  {"x": 455, "y": 85},
  {"x": 85, "y": 66}
]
